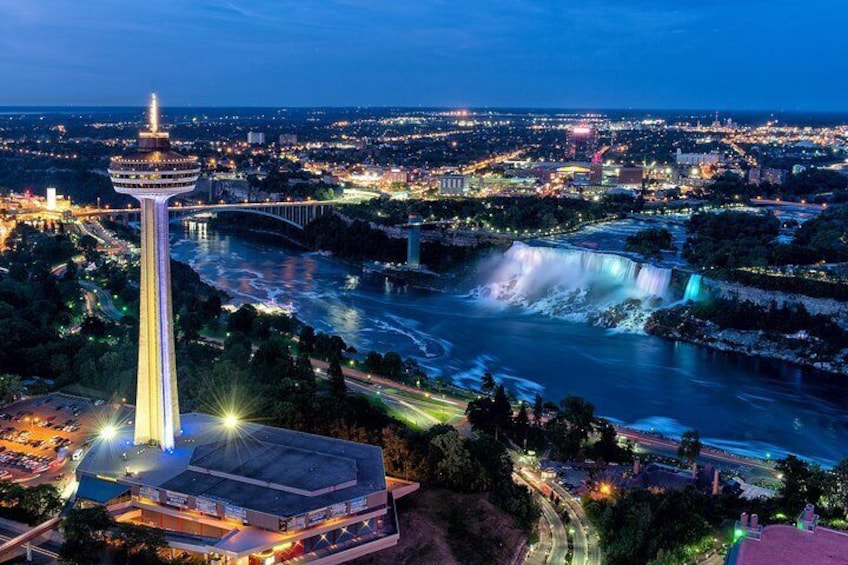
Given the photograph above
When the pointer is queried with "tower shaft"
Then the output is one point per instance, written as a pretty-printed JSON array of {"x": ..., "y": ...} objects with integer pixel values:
[{"x": 157, "y": 418}]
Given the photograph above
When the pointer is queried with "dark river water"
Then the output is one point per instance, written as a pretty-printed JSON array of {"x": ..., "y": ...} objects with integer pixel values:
[{"x": 749, "y": 406}]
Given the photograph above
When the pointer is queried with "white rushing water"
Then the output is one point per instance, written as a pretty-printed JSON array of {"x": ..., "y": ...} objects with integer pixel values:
[{"x": 578, "y": 285}]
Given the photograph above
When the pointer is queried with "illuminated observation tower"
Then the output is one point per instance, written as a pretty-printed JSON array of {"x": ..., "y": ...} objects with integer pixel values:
[{"x": 153, "y": 173}]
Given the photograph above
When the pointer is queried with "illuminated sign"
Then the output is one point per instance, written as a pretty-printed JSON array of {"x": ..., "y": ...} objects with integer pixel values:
[
  {"x": 206, "y": 506},
  {"x": 358, "y": 504},
  {"x": 149, "y": 492},
  {"x": 176, "y": 499},
  {"x": 338, "y": 509},
  {"x": 235, "y": 513},
  {"x": 316, "y": 517}
]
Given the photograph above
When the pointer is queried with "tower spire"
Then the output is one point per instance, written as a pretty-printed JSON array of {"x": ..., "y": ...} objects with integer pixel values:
[{"x": 154, "y": 113}]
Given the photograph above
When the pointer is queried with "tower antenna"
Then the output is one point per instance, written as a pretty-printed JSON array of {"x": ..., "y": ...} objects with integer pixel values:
[{"x": 154, "y": 113}]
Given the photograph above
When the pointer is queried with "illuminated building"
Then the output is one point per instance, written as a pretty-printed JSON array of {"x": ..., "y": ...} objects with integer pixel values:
[
  {"x": 453, "y": 185},
  {"x": 51, "y": 199},
  {"x": 286, "y": 139},
  {"x": 582, "y": 142},
  {"x": 696, "y": 159},
  {"x": 240, "y": 493},
  {"x": 783, "y": 544},
  {"x": 395, "y": 176},
  {"x": 631, "y": 177},
  {"x": 152, "y": 173},
  {"x": 255, "y": 138}
]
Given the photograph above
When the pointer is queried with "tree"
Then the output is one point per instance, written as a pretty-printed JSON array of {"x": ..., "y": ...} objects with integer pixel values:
[
  {"x": 85, "y": 536},
  {"x": 242, "y": 320},
  {"x": 455, "y": 467},
  {"x": 306, "y": 340},
  {"x": 10, "y": 388},
  {"x": 538, "y": 409},
  {"x": 690, "y": 446},
  {"x": 338, "y": 388},
  {"x": 801, "y": 484},
  {"x": 580, "y": 414},
  {"x": 487, "y": 383},
  {"x": 838, "y": 496},
  {"x": 392, "y": 365},
  {"x": 649, "y": 242},
  {"x": 140, "y": 545}
]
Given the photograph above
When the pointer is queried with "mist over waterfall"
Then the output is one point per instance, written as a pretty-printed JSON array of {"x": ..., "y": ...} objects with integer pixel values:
[{"x": 600, "y": 288}]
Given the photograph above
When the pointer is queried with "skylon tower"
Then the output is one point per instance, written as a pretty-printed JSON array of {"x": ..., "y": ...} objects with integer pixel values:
[{"x": 153, "y": 173}]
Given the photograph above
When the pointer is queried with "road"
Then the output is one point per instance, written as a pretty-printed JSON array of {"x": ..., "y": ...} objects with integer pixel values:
[
  {"x": 587, "y": 545},
  {"x": 553, "y": 540},
  {"x": 756, "y": 469},
  {"x": 587, "y": 548},
  {"x": 42, "y": 553},
  {"x": 101, "y": 299},
  {"x": 407, "y": 399}
]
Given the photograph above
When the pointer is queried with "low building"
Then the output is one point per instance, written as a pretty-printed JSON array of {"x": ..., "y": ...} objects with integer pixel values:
[
  {"x": 453, "y": 185},
  {"x": 395, "y": 176},
  {"x": 696, "y": 159},
  {"x": 287, "y": 139},
  {"x": 248, "y": 494},
  {"x": 631, "y": 177}
]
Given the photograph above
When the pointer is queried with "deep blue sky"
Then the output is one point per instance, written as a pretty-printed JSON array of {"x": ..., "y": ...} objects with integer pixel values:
[{"x": 722, "y": 54}]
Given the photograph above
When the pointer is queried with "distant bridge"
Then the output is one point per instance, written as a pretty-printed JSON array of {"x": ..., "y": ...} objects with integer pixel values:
[{"x": 295, "y": 214}]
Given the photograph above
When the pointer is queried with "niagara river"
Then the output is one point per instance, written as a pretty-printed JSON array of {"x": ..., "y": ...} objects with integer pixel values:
[{"x": 529, "y": 323}]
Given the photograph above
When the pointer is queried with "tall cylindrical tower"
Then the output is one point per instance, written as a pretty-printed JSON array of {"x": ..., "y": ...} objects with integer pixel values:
[{"x": 153, "y": 173}]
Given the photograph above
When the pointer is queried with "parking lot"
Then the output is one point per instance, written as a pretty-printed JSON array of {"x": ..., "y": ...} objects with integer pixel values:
[{"x": 43, "y": 438}]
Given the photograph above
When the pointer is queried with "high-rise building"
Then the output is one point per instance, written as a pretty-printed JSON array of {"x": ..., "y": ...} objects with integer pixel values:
[
  {"x": 153, "y": 173},
  {"x": 255, "y": 138},
  {"x": 582, "y": 143},
  {"x": 51, "y": 199}
]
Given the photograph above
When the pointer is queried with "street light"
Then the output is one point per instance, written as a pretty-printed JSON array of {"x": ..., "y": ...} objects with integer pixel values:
[{"x": 231, "y": 421}]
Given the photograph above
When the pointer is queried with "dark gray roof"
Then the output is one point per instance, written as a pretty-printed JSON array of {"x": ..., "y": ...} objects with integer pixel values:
[{"x": 271, "y": 470}]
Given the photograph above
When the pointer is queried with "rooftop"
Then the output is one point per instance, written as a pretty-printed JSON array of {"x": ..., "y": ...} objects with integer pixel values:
[
  {"x": 787, "y": 545},
  {"x": 271, "y": 470}
]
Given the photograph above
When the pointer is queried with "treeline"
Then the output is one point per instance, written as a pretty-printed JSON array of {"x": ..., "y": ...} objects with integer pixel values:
[
  {"x": 359, "y": 241},
  {"x": 649, "y": 242},
  {"x": 294, "y": 182},
  {"x": 75, "y": 178},
  {"x": 814, "y": 185},
  {"x": 787, "y": 318},
  {"x": 686, "y": 320},
  {"x": 499, "y": 213},
  {"x": 47, "y": 331},
  {"x": 730, "y": 239},
  {"x": 571, "y": 428},
  {"x": 31, "y": 505}
]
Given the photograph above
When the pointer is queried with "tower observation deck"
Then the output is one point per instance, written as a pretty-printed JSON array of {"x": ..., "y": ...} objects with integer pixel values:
[{"x": 153, "y": 173}]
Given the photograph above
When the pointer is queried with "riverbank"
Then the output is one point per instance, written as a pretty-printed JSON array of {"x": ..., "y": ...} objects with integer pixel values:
[{"x": 799, "y": 348}]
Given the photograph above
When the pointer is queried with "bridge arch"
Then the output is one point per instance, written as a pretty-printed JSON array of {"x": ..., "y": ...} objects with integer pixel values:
[
  {"x": 182, "y": 215},
  {"x": 296, "y": 215}
]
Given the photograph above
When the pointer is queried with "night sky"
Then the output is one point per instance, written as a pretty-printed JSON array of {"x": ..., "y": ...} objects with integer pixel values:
[{"x": 661, "y": 54}]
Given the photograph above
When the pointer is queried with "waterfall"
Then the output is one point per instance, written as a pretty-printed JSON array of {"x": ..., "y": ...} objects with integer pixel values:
[
  {"x": 577, "y": 284},
  {"x": 693, "y": 288}
]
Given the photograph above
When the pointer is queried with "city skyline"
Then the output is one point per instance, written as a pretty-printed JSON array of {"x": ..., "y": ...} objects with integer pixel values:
[{"x": 610, "y": 55}]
